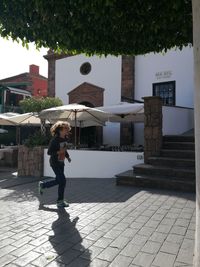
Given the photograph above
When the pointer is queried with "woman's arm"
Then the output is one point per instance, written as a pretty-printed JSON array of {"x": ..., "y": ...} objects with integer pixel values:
[
  {"x": 53, "y": 148},
  {"x": 67, "y": 156}
]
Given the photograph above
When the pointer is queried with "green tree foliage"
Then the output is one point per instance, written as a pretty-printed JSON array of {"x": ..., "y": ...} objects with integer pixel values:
[
  {"x": 35, "y": 104},
  {"x": 99, "y": 26}
]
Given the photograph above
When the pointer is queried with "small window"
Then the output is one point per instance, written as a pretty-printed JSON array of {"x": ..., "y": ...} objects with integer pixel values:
[
  {"x": 166, "y": 91},
  {"x": 85, "y": 68}
]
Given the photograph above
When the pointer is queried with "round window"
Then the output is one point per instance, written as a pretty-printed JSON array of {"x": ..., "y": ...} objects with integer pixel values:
[{"x": 85, "y": 68}]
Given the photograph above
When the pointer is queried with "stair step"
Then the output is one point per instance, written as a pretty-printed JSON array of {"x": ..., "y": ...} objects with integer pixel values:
[
  {"x": 129, "y": 178},
  {"x": 189, "y": 154},
  {"x": 179, "y": 145},
  {"x": 178, "y": 138},
  {"x": 172, "y": 162},
  {"x": 147, "y": 169}
]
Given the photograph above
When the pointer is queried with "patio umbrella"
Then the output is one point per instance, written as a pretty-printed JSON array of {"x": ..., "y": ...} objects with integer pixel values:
[
  {"x": 76, "y": 114},
  {"x": 26, "y": 119},
  {"x": 14, "y": 119},
  {"x": 4, "y": 119},
  {"x": 9, "y": 114},
  {"x": 125, "y": 112}
]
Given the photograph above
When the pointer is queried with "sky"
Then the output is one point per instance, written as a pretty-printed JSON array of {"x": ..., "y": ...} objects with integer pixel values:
[{"x": 15, "y": 59}]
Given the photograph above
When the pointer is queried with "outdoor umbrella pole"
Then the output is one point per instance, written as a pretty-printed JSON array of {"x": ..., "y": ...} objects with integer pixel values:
[
  {"x": 75, "y": 127},
  {"x": 79, "y": 142},
  {"x": 19, "y": 140},
  {"x": 17, "y": 135}
]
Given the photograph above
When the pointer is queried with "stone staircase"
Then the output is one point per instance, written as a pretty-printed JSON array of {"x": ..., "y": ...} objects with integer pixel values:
[{"x": 174, "y": 169}]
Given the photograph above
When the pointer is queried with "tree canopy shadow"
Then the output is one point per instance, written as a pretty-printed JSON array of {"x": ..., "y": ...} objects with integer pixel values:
[
  {"x": 84, "y": 190},
  {"x": 78, "y": 190}
]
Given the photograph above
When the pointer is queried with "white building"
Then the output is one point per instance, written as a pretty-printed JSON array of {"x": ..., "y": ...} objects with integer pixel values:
[
  {"x": 98, "y": 81},
  {"x": 173, "y": 67}
]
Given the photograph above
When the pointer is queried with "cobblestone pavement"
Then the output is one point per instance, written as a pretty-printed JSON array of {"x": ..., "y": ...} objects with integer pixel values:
[{"x": 105, "y": 225}]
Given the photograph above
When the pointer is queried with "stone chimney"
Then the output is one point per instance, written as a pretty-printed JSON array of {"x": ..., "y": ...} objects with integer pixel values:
[{"x": 34, "y": 70}]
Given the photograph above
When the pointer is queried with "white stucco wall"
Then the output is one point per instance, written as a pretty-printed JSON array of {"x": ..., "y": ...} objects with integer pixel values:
[
  {"x": 96, "y": 164},
  {"x": 179, "y": 63},
  {"x": 177, "y": 120},
  {"x": 105, "y": 73},
  {"x": 111, "y": 134},
  {"x": 139, "y": 133}
]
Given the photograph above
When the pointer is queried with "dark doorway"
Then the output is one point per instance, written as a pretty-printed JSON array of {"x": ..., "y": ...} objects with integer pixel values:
[{"x": 88, "y": 135}]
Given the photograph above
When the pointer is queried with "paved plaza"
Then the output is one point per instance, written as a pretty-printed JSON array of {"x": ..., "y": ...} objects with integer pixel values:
[{"x": 105, "y": 225}]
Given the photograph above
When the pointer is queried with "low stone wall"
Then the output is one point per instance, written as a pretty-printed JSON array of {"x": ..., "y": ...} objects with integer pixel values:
[
  {"x": 30, "y": 161},
  {"x": 9, "y": 157}
]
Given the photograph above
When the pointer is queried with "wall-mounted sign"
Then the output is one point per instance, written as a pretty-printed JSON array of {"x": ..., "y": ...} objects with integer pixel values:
[{"x": 163, "y": 74}]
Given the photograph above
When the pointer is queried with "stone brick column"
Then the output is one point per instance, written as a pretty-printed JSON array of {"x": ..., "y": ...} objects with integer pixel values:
[
  {"x": 51, "y": 77},
  {"x": 128, "y": 78},
  {"x": 127, "y": 94},
  {"x": 152, "y": 126},
  {"x": 51, "y": 57},
  {"x": 30, "y": 161}
]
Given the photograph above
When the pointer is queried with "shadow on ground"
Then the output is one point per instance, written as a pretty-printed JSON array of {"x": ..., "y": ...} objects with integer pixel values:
[
  {"x": 78, "y": 190},
  {"x": 65, "y": 236},
  {"x": 83, "y": 190}
]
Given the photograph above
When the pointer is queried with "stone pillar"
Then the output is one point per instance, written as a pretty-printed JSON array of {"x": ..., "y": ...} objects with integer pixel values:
[
  {"x": 30, "y": 161},
  {"x": 127, "y": 94},
  {"x": 128, "y": 78},
  {"x": 51, "y": 77},
  {"x": 51, "y": 57},
  {"x": 152, "y": 127}
]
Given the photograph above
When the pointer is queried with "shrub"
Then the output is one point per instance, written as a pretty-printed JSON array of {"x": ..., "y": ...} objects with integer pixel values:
[
  {"x": 37, "y": 139},
  {"x": 35, "y": 104}
]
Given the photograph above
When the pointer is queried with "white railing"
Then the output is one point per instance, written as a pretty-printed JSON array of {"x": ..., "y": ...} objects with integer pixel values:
[{"x": 177, "y": 120}]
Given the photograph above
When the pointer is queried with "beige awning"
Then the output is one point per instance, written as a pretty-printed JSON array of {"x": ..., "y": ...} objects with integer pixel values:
[
  {"x": 21, "y": 119},
  {"x": 18, "y": 91},
  {"x": 125, "y": 112}
]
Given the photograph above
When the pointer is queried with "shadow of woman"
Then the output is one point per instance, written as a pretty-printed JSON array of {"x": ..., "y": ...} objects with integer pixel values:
[{"x": 66, "y": 240}]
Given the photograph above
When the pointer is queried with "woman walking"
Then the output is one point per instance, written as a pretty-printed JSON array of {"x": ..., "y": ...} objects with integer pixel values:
[{"x": 58, "y": 152}]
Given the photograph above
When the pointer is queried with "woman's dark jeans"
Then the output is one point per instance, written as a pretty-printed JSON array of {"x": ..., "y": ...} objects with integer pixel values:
[{"x": 60, "y": 180}]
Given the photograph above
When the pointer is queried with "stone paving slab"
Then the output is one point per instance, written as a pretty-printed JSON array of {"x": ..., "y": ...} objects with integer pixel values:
[{"x": 105, "y": 225}]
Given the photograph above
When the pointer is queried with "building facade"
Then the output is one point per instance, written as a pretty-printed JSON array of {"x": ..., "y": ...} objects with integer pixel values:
[
  {"x": 173, "y": 70},
  {"x": 18, "y": 87},
  {"x": 35, "y": 83},
  {"x": 94, "y": 81},
  {"x": 103, "y": 81}
]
